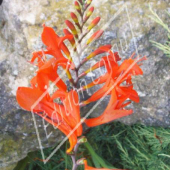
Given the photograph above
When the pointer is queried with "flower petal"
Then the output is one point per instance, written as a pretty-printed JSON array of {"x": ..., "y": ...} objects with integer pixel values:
[
  {"x": 26, "y": 97},
  {"x": 87, "y": 167},
  {"x": 65, "y": 128},
  {"x": 110, "y": 113}
]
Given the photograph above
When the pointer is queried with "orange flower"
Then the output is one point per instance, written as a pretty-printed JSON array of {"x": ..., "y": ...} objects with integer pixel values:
[
  {"x": 70, "y": 110},
  {"x": 113, "y": 111},
  {"x": 55, "y": 47},
  {"x": 55, "y": 44},
  {"x": 44, "y": 76},
  {"x": 115, "y": 76},
  {"x": 37, "y": 98},
  {"x": 87, "y": 167},
  {"x": 27, "y": 98}
]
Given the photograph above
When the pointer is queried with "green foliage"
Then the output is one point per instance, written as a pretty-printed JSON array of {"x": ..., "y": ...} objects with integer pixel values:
[
  {"x": 164, "y": 47},
  {"x": 135, "y": 147},
  {"x": 96, "y": 159}
]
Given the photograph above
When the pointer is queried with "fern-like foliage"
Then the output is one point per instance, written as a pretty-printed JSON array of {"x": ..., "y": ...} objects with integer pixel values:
[{"x": 136, "y": 147}]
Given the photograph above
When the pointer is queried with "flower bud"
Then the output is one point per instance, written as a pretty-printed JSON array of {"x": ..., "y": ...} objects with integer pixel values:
[
  {"x": 89, "y": 13},
  {"x": 94, "y": 23},
  {"x": 95, "y": 36},
  {"x": 74, "y": 17},
  {"x": 77, "y": 6},
  {"x": 72, "y": 28}
]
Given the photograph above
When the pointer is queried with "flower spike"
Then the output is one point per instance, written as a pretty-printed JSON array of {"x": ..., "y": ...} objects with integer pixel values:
[{"x": 61, "y": 107}]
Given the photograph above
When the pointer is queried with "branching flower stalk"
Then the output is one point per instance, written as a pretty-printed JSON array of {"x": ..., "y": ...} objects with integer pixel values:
[
  {"x": 76, "y": 162},
  {"x": 64, "y": 113},
  {"x": 84, "y": 5}
]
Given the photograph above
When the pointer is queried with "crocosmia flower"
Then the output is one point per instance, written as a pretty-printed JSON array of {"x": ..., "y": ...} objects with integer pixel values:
[
  {"x": 37, "y": 98},
  {"x": 61, "y": 108}
]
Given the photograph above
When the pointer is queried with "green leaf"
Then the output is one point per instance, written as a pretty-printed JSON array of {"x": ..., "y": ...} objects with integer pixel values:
[{"x": 97, "y": 160}]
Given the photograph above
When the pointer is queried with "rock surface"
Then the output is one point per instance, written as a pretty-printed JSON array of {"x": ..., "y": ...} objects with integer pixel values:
[{"x": 129, "y": 29}]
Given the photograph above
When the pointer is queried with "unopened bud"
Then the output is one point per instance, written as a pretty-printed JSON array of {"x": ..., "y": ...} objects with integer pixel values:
[
  {"x": 74, "y": 17},
  {"x": 88, "y": 14},
  {"x": 94, "y": 36},
  {"x": 72, "y": 28},
  {"x": 94, "y": 23},
  {"x": 78, "y": 7}
]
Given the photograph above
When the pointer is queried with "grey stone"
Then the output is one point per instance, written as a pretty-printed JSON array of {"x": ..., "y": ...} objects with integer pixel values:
[{"x": 20, "y": 30}]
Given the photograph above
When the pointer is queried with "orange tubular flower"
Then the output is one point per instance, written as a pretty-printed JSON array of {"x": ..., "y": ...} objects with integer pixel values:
[
  {"x": 55, "y": 43},
  {"x": 55, "y": 46},
  {"x": 119, "y": 93},
  {"x": 87, "y": 167},
  {"x": 70, "y": 109},
  {"x": 27, "y": 98},
  {"x": 38, "y": 100},
  {"x": 113, "y": 111},
  {"x": 44, "y": 76},
  {"x": 118, "y": 75}
]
